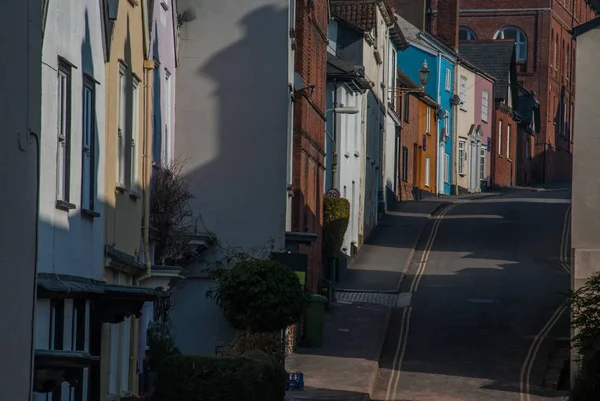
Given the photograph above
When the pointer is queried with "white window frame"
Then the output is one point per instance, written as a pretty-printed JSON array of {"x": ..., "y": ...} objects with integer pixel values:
[
  {"x": 470, "y": 35},
  {"x": 520, "y": 41},
  {"x": 168, "y": 139},
  {"x": 462, "y": 151},
  {"x": 508, "y": 127},
  {"x": 63, "y": 157},
  {"x": 427, "y": 171},
  {"x": 448, "y": 80},
  {"x": 447, "y": 122},
  {"x": 500, "y": 137},
  {"x": 88, "y": 168},
  {"x": 135, "y": 134},
  {"x": 428, "y": 121},
  {"x": 485, "y": 104},
  {"x": 446, "y": 168},
  {"x": 482, "y": 163},
  {"x": 121, "y": 128},
  {"x": 463, "y": 92},
  {"x": 392, "y": 77}
]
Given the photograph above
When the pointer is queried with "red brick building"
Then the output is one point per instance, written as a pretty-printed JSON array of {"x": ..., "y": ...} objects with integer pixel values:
[
  {"x": 309, "y": 129},
  {"x": 545, "y": 63}
]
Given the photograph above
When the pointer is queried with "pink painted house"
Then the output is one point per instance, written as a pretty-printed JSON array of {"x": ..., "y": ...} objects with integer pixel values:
[{"x": 484, "y": 118}]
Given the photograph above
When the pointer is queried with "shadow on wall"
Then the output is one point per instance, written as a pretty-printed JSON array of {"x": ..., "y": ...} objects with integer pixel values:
[
  {"x": 157, "y": 128},
  {"x": 551, "y": 164},
  {"x": 240, "y": 192}
]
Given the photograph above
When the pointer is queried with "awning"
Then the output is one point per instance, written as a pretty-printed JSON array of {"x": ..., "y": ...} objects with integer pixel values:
[{"x": 112, "y": 303}]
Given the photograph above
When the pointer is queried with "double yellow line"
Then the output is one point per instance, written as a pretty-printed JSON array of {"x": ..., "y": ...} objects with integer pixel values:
[
  {"x": 392, "y": 387},
  {"x": 525, "y": 378}
]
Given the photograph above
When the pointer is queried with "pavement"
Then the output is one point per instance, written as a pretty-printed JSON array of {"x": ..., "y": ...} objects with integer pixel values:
[{"x": 479, "y": 321}]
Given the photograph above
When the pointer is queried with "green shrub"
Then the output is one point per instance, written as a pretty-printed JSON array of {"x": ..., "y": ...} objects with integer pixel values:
[
  {"x": 254, "y": 376},
  {"x": 336, "y": 214},
  {"x": 270, "y": 343},
  {"x": 260, "y": 296}
]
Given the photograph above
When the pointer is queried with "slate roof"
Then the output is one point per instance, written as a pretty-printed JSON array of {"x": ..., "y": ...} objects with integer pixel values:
[
  {"x": 494, "y": 57},
  {"x": 586, "y": 27}
]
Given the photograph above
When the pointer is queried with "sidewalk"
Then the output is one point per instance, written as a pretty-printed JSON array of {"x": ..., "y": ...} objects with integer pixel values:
[{"x": 345, "y": 368}]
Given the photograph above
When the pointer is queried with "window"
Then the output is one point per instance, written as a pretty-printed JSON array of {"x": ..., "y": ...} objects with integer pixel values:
[
  {"x": 447, "y": 122},
  {"x": 556, "y": 53},
  {"x": 88, "y": 164},
  {"x": 427, "y": 170},
  {"x": 463, "y": 92},
  {"x": 482, "y": 164},
  {"x": 446, "y": 168},
  {"x": 404, "y": 164},
  {"x": 406, "y": 108},
  {"x": 448, "y": 80},
  {"x": 428, "y": 120},
  {"x": 135, "y": 134},
  {"x": 567, "y": 62},
  {"x": 508, "y": 127},
  {"x": 63, "y": 158},
  {"x": 465, "y": 33},
  {"x": 462, "y": 156},
  {"x": 485, "y": 98},
  {"x": 392, "y": 77},
  {"x": 517, "y": 34},
  {"x": 500, "y": 137},
  {"x": 121, "y": 132},
  {"x": 169, "y": 115}
]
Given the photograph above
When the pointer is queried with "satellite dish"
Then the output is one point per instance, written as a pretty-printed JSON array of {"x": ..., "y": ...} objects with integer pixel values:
[
  {"x": 455, "y": 100},
  {"x": 439, "y": 113}
]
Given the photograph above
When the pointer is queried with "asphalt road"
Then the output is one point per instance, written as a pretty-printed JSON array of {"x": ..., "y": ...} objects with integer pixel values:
[{"x": 477, "y": 307}]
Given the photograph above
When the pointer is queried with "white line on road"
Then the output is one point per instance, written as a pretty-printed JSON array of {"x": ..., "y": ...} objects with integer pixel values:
[
  {"x": 392, "y": 387},
  {"x": 525, "y": 378}
]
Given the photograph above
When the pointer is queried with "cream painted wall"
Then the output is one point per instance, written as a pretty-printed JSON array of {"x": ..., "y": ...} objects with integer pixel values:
[
  {"x": 124, "y": 212},
  {"x": 465, "y": 117}
]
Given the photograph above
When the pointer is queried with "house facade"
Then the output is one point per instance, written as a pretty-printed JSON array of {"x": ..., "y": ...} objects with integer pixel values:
[
  {"x": 21, "y": 113},
  {"x": 545, "y": 55},
  {"x": 72, "y": 196},
  {"x": 441, "y": 61},
  {"x": 484, "y": 119},
  {"x": 468, "y": 140},
  {"x": 227, "y": 117}
]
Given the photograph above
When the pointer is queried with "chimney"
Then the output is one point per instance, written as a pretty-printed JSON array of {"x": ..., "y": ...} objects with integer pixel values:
[
  {"x": 447, "y": 22},
  {"x": 411, "y": 10}
]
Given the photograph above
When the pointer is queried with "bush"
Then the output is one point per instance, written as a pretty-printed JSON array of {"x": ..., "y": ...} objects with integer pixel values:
[
  {"x": 336, "y": 214},
  {"x": 270, "y": 343},
  {"x": 585, "y": 307},
  {"x": 260, "y": 296},
  {"x": 254, "y": 376}
]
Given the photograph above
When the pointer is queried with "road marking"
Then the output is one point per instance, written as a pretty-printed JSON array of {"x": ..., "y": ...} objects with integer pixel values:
[
  {"x": 399, "y": 355},
  {"x": 564, "y": 242},
  {"x": 425, "y": 257},
  {"x": 525, "y": 378},
  {"x": 392, "y": 387}
]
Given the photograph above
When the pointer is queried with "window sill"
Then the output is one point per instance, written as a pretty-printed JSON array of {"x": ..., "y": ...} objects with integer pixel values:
[
  {"x": 121, "y": 187},
  {"x": 347, "y": 155},
  {"x": 134, "y": 2},
  {"x": 356, "y": 153},
  {"x": 64, "y": 205},
  {"x": 463, "y": 109},
  {"x": 462, "y": 174},
  {"x": 134, "y": 195},
  {"x": 89, "y": 213},
  {"x": 508, "y": 159},
  {"x": 428, "y": 186}
]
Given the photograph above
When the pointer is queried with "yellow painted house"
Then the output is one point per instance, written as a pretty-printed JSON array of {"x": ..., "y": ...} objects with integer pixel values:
[{"x": 128, "y": 111}]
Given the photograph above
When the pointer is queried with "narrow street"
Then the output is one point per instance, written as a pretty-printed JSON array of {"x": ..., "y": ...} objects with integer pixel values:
[{"x": 480, "y": 312}]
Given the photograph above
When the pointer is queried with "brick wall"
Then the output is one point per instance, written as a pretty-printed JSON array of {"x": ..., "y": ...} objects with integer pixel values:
[
  {"x": 309, "y": 129},
  {"x": 539, "y": 73},
  {"x": 409, "y": 139},
  {"x": 447, "y": 22},
  {"x": 503, "y": 163}
]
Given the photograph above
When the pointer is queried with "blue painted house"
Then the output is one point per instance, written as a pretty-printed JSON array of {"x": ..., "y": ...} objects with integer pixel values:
[{"x": 441, "y": 61}]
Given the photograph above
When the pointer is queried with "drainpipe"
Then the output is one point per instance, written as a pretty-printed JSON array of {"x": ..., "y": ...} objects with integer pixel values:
[{"x": 133, "y": 368}]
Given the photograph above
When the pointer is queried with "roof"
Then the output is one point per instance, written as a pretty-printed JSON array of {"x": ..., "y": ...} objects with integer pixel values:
[
  {"x": 412, "y": 33},
  {"x": 345, "y": 71},
  {"x": 494, "y": 57},
  {"x": 586, "y": 27},
  {"x": 363, "y": 15}
]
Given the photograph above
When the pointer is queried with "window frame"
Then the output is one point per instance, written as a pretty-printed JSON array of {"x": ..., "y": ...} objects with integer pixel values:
[
  {"x": 404, "y": 164},
  {"x": 88, "y": 145},
  {"x": 428, "y": 120},
  {"x": 482, "y": 163},
  {"x": 427, "y": 180},
  {"x": 448, "y": 80},
  {"x": 64, "y": 129},
  {"x": 121, "y": 142},
  {"x": 521, "y": 41},
  {"x": 470, "y": 34},
  {"x": 392, "y": 62},
  {"x": 406, "y": 111},
  {"x": 462, "y": 152},
  {"x": 500, "y": 137},
  {"x": 463, "y": 92},
  {"x": 508, "y": 131},
  {"x": 134, "y": 138},
  {"x": 485, "y": 105},
  {"x": 446, "y": 168}
]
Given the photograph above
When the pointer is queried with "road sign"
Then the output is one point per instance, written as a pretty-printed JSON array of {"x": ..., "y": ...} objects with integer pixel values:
[{"x": 333, "y": 193}]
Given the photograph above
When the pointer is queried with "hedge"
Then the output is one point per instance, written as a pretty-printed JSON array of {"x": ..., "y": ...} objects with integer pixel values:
[
  {"x": 255, "y": 376},
  {"x": 336, "y": 214}
]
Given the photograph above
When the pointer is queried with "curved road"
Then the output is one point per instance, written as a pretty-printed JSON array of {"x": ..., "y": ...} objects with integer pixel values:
[{"x": 480, "y": 296}]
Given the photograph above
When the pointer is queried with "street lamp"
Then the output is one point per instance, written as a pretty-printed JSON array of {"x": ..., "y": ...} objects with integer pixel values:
[
  {"x": 345, "y": 110},
  {"x": 424, "y": 72}
]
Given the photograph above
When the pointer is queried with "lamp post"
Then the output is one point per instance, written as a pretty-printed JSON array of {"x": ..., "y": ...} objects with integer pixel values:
[{"x": 424, "y": 73}]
